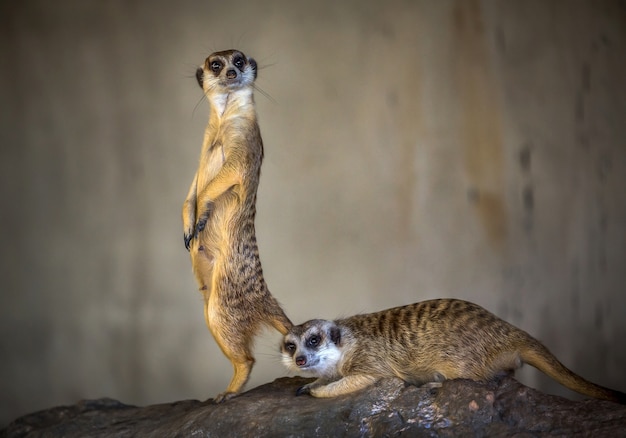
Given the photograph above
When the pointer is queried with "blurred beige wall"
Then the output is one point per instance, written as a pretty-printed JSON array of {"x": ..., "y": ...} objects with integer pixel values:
[{"x": 414, "y": 149}]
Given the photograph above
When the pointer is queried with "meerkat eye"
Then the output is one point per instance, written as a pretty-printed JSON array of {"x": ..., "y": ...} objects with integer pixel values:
[
  {"x": 313, "y": 341},
  {"x": 216, "y": 66},
  {"x": 238, "y": 62}
]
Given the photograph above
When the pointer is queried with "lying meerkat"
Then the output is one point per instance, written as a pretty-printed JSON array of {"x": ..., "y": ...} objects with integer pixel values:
[{"x": 430, "y": 341}]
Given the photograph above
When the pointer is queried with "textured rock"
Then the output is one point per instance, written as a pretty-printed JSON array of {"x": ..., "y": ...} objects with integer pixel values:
[{"x": 390, "y": 408}]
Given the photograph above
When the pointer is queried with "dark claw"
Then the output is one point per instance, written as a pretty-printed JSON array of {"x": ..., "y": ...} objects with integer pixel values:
[
  {"x": 188, "y": 238},
  {"x": 303, "y": 390}
]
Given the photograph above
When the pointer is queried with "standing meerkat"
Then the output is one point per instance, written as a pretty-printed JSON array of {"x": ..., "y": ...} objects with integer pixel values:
[
  {"x": 424, "y": 342},
  {"x": 218, "y": 216}
]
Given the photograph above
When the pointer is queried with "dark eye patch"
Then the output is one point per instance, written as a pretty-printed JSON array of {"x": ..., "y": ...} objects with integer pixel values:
[
  {"x": 216, "y": 66},
  {"x": 313, "y": 341},
  {"x": 239, "y": 62}
]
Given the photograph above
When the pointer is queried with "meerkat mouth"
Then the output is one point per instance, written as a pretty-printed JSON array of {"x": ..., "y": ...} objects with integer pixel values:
[
  {"x": 310, "y": 365},
  {"x": 308, "y": 370},
  {"x": 232, "y": 83}
]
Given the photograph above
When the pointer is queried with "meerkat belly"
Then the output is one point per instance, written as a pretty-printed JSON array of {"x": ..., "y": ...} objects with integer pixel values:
[
  {"x": 411, "y": 366},
  {"x": 212, "y": 160},
  {"x": 222, "y": 222},
  {"x": 229, "y": 305},
  {"x": 216, "y": 251}
]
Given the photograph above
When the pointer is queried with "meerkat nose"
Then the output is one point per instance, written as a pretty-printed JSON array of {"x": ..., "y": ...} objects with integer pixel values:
[
  {"x": 231, "y": 74},
  {"x": 300, "y": 361}
]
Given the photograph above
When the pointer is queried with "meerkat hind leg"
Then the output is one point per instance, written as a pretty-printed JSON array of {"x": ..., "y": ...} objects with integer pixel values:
[
  {"x": 239, "y": 354},
  {"x": 240, "y": 377},
  {"x": 237, "y": 350}
]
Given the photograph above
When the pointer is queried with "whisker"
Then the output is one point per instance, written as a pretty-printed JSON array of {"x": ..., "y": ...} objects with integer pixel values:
[
  {"x": 198, "y": 104},
  {"x": 263, "y": 61},
  {"x": 272, "y": 358},
  {"x": 264, "y": 66},
  {"x": 241, "y": 37},
  {"x": 267, "y": 96},
  {"x": 267, "y": 354},
  {"x": 191, "y": 66}
]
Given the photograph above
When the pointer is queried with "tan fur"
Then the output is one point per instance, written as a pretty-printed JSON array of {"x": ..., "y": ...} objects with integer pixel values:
[
  {"x": 424, "y": 342},
  {"x": 219, "y": 212}
]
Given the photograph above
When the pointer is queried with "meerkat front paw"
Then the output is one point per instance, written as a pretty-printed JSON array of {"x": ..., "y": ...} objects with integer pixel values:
[
  {"x": 204, "y": 218},
  {"x": 303, "y": 390},
  {"x": 200, "y": 226}
]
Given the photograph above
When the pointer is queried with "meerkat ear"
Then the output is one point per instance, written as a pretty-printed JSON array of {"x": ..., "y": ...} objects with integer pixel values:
[
  {"x": 335, "y": 335},
  {"x": 200, "y": 76},
  {"x": 252, "y": 63}
]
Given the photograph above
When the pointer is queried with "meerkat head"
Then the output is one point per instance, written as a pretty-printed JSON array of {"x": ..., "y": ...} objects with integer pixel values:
[
  {"x": 226, "y": 71},
  {"x": 313, "y": 348}
]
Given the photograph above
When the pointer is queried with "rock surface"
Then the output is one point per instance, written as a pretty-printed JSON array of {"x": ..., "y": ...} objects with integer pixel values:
[{"x": 390, "y": 408}]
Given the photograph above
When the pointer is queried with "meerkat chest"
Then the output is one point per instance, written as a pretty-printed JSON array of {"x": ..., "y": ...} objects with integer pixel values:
[{"x": 212, "y": 162}]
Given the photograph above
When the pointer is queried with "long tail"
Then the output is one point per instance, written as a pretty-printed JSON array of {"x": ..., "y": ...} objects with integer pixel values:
[{"x": 540, "y": 357}]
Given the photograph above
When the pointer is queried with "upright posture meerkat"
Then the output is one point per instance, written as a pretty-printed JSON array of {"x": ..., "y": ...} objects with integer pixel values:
[
  {"x": 218, "y": 216},
  {"x": 424, "y": 342}
]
